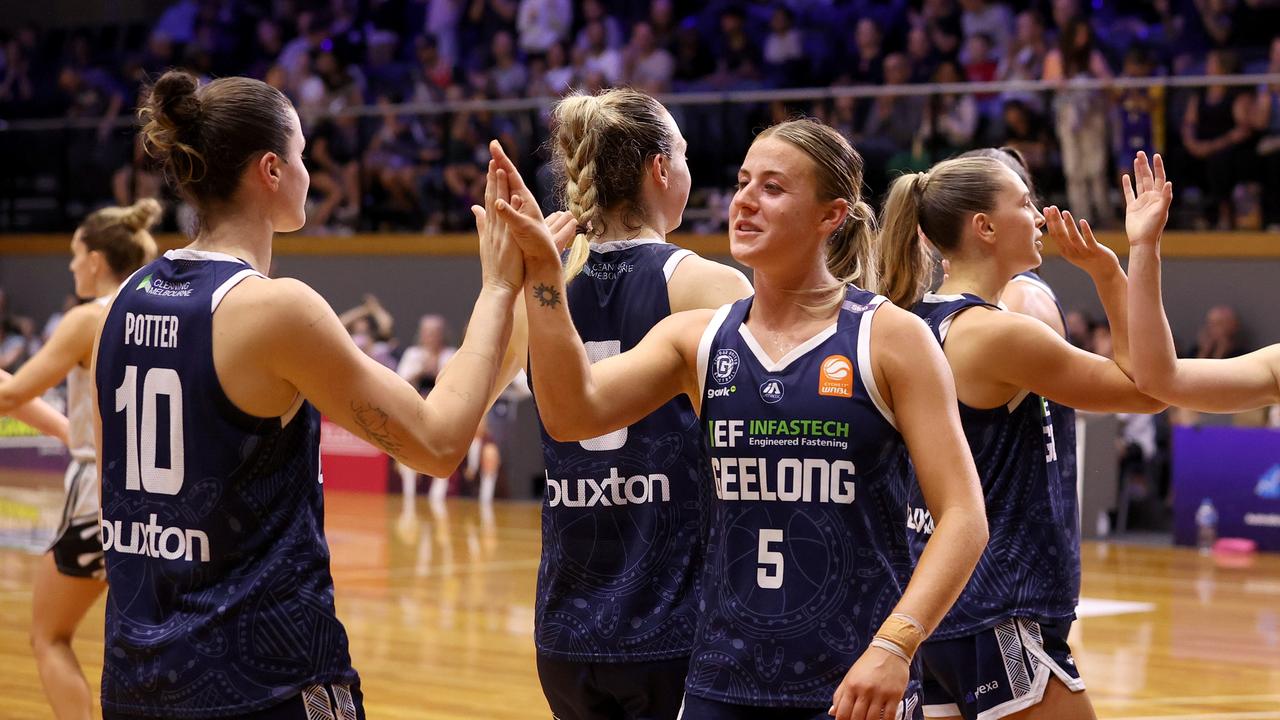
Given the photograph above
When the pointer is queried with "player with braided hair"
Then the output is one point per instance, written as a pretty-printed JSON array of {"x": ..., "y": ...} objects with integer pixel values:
[{"x": 616, "y": 611}]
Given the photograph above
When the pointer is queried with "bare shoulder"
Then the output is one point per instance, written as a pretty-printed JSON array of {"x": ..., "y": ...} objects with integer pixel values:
[
  {"x": 701, "y": 283},
  {"x": 1028, "y": 298},
  {"x": 898, "y": 335},
  {"x": 273, "y": 311}
]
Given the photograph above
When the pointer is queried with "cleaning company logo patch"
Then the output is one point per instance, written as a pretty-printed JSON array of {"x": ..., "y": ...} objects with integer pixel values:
[
  {"x": 151, "y": 286},
  {"x": 835, "y": 377}
]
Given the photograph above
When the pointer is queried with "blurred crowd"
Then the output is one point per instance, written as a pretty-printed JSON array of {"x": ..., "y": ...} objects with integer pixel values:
[{"x": 396, "y": 169}]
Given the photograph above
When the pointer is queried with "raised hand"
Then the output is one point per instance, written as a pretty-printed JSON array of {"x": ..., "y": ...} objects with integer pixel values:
[
  {"x": 501, "y": 262},
  {"x": 518, "y": 210},
  {"x": 1078, "y": 244},
  {"x": 1146, "y": 207}
]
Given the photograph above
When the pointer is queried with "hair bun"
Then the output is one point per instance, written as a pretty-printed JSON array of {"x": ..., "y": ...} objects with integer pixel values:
[
  {"x": 142, "y": 214},
  {"x": 173, "y": 99}
]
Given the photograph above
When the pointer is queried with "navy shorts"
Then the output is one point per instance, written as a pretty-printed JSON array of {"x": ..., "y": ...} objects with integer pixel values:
[
  {"x": 699, "y": 708},
  {"x": 613, "y": 691},
  {"x": 997, "y": 672},
  {"x": 315, "y": 702}
]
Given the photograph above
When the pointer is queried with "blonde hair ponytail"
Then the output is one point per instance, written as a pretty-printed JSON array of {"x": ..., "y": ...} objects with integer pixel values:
[
  {"x": 904, "y": 264},
  {"x": 122, "y": 235}
]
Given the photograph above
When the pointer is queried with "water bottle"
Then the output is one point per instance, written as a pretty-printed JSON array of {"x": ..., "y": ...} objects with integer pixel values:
[{"x": 1206, "y": 526}]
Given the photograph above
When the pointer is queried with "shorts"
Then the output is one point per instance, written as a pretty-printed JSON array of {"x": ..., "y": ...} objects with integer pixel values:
[
  {"x": 997, "y": 672},
  {"x": 77, "y": 546},
  {"x": 609, "y": 691},
  {"x": 700, "y": 708},
  {"x": 314, "y": 702}
]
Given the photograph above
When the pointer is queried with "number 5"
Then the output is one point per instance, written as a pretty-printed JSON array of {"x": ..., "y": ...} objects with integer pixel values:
[{"x": 766, "y": 578}]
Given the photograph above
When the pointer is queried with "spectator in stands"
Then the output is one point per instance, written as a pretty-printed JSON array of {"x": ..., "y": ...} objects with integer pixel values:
[
  {"x": 1219, "y": 335},
  {"x": 335, "y": 173},
  {"x": 784, "y": 49},
  {"x": 601, "y": 57},
  {"x": 395, "y": 159},
  {"x": 138, "y": 178},
  {"x": 479, "y": 22},
  {"x": 421, "y": 365},
  {"x": 887, "y": 141},
  {"x": 1216, "y": 130},
  {"x": 434, "y": 73},
  {"x": 993, "y": 19},
  {"x": 295, "y": 58},
  {"x": 869, "y": 54},
  {"x": 441, "y": 25},
  {"x": 942, "y": 19},
  {"x": 647, "y": 66},
  {"x": 1025, "y": 131},
  {"x": 372, "y": 328},
  {"x": 543, "y": 23},
  {"x": 508, "y": 77},
  {"x": 693, "y": 61},
  {"x": 1080, "y": 117},
  {"x": 16, "y": 85},
  {"x": 1267, "y": 107},
  {"x": 1137, "y": 113},
  {"x": 921, "y": 53},
  {"x": 559, "y": 76},
  {"x": 665, "y": 24},
  {"x": 956, "y": 117},
  {"x": 596, "y": 11},
  {"x": 738, "y": 61},
  {"x": 1025, "y": 57}
]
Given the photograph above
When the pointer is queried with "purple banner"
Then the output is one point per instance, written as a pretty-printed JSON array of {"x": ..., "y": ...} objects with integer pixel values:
[{"x": 1238, "y": 469}]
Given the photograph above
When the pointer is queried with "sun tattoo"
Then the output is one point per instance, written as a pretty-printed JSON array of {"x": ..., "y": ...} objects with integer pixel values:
[{"x": 546, "y": 295}]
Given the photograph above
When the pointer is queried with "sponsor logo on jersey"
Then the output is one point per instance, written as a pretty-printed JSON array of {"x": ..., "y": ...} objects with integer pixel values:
[
  {"x": 835, "y": 377},
  {"x": 724, "y": 367},
  {"x": 151, "y": 539},
  {"x": 721, "y": 392},
  {"x": 614, "y": 490},
  {"x": 771, "y": 391},
  {"x": 151, "y": 286}
]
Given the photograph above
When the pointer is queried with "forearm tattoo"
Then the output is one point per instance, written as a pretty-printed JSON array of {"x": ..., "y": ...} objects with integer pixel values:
[
  {"x": 374, "y": 422},
  {"x": 546, "y": 295}
]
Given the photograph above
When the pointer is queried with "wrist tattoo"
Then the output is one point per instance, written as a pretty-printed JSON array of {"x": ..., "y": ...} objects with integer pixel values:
[
  {"x": 546, "y": 295},
  {"x": 374, "y": 422}
]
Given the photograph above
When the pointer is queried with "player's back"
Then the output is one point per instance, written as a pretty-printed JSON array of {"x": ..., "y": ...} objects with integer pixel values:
[
  {"x": 220, "y": 599},
  {"x": 622, "y": 521},
  {"x": 1030, "y": 567}
]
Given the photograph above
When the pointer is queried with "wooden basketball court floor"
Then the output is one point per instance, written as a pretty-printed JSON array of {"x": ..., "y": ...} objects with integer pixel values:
[{"x": 439, "y": 607}]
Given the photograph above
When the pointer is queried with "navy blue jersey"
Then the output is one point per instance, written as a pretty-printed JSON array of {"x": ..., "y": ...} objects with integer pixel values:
[
  {"x": 807, "y": 553},
  {"x": 1031, "y": 565},
  {"x": 1064, "y": 427},
  {"x": 622, "y": 520},
  {"x": 220, "y": 600}
]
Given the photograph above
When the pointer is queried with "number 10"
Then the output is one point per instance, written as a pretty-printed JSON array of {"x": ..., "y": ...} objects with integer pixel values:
[{"x": 142, "y": 473}]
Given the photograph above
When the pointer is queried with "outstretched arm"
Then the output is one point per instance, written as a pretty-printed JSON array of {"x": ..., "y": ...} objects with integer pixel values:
[
  {"x": 1230, "y": 385},
  {"x": 922, "y": 394},
  {"x": 40, "y": 415},
  {"x": 578, "y": 400}
]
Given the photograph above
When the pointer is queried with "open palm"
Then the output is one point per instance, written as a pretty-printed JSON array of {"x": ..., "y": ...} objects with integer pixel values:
[{"x": 1146, "y": 207}]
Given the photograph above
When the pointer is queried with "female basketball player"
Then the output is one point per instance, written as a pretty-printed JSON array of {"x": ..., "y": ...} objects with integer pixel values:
[
  {"x": 996, "y": 651},
  {"x": 37, "y": 413},
  {"x": 810, "y": 409},
  {"x": 1217, "y": 386},
  {"x": 210, "y": 378},
  {"x": 616, "y": 606},
  {"x": 109, "y": 245}
]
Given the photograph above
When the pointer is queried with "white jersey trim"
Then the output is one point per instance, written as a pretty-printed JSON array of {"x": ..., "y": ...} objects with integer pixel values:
[
  {"x": 796, "y": 352},
  {"x": 865, "y": 370},
  {"x": 1036, "y": 282},
  {"x": 189, "y": 254},
  {"x": 704, "y": 346},
  {"x": 616, "y": 245},
  {"x": 677, "y": 257},
  {"x": 230, "y": 283}
]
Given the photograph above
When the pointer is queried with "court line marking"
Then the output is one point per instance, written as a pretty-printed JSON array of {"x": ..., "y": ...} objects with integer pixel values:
[
  {"x": 1247, "y": 715},
  {"x": 1187, "y": 700},
  {"x": 1101, "y": 607}
]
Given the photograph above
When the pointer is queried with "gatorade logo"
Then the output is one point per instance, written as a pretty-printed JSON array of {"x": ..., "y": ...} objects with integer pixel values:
[{"x": 835, "y": 378}]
